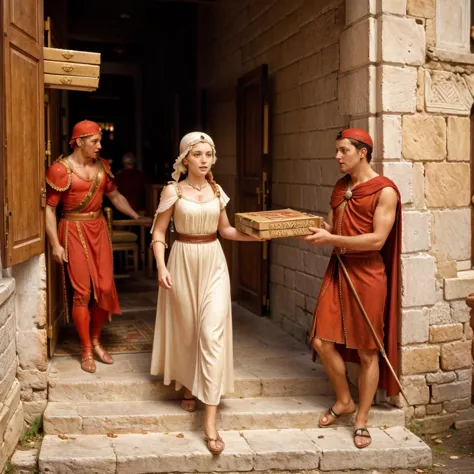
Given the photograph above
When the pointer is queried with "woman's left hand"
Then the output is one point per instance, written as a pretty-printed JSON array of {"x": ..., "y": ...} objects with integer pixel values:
[{"x": 318, "y": 237}]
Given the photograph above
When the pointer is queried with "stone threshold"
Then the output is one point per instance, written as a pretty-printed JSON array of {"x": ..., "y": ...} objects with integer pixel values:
[
  {"x": 327, "y": 449},
  {"x": 234, "y": 414}
]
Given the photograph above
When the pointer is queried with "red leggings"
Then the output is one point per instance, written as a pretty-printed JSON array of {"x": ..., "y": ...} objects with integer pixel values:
[{"x": 86, "y": 330}]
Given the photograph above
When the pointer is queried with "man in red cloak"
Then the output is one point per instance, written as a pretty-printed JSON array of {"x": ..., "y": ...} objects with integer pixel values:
[
  {"x": 364, "y": 226},
  {"x": 82, "y": 242}
]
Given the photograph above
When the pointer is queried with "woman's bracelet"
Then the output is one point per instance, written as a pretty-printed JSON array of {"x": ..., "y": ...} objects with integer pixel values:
[{"x": 153, "y": 242}]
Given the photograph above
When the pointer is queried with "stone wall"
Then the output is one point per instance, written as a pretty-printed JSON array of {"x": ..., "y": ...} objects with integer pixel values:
[
  {"x": 30, "y": 278},
  {"x": 376, "y": 65},
  {"x": 11, "y": 408},
  {"x": 299, "y": 40}
]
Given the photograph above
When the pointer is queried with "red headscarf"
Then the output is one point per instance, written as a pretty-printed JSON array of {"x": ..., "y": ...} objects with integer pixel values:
[
  {"x": 356, "y": 134},
  {"x": 85, "y": 128}
]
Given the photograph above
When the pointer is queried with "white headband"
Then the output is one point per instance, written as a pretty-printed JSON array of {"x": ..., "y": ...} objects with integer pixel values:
[{"x": 186, "y": 145}]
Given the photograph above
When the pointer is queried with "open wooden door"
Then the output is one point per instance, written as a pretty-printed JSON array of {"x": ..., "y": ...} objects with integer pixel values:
[
  {"x": 52, "y": 139},
  {"x": 254, "y": 178},
  {"x": 21, "y": 131}
]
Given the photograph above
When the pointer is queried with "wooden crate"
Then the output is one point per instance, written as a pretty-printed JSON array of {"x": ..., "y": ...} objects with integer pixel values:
[
  {"x": 79, "y": 83},
  {"x": 71, "y": 69},
  {"x": 276, "y": 224},
  {"x": 70, "y": 56}
]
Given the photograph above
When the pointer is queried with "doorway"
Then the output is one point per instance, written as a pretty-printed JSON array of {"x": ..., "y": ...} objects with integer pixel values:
[{"x": 148, "y": 95}]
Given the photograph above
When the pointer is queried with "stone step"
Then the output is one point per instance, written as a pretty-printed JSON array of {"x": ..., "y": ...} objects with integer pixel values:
[
  {"x": 234, "y": 414},
  {"x": 272, "y": 373},
  {"x": 330, "y": 449}
]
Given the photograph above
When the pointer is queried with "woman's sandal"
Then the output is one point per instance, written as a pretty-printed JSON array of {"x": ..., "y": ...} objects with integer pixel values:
[
  {"x": 331, "y": 412},
  {"x": 188, "y": 404},
  {"x": 106, "y": 358},
  {"x": 363, "y": 433},
  {"x": 214, "y": 451},
  {"x": 91, "y": 368}
]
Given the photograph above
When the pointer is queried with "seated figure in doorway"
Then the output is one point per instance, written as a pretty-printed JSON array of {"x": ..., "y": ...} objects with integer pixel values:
[
  {"x": 131, "y": 183},
  {"x": 82, "y": 243}
]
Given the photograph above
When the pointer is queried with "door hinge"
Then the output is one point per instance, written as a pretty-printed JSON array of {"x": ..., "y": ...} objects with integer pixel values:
[
  {"x": 6, "y": 214},
  {"x": 43, "y": 197},
  {"x": 50, "y": 332}
]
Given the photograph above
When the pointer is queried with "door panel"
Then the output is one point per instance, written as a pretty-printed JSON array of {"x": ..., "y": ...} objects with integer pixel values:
[
  {"x": 22, "y": 125},
  {"x": 253, "y": 184}
]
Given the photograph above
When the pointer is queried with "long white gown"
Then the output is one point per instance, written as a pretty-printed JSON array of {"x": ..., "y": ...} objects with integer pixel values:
[{"x": 193, "y": 333}]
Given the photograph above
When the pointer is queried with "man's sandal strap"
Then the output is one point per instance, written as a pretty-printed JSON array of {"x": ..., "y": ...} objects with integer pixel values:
[
  {"x": 362, "y": 432},
  {"x": 333, "y": 413}
]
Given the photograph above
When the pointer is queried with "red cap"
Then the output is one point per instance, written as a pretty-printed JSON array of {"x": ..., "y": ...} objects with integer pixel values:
[
  {"x": 356, "y": 134},
  {"x": 86, "y": 128}
]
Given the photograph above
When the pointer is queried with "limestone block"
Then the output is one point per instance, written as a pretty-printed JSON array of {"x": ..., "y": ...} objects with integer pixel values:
[
  {"x": 459, "y": 404},
  {"x": 465, "y": 374},
  {"x": 436, "y": 424},
  {"x": 420, "y": 412},
  {"x": 11, "y": 435},
  {"x": 397, "y": 7},
  {"x": 424, "y": 138},
  {"x": 401, "y": 174},
  {"x": 418, "y": 185},
  {"x": 357, "y": 92},
  {"x": 447, "y": 93},
  {"x": 441, "y": 377},
  {"x": 417, "y": 228},
  {"x": 308, "y": 69},
  {"x": 315, "y": 264},
  {"x": 460, "y": 287},
  {"x": 421, "y": 8},
  {"x": 357, "y": 10},
  {"x": 330, "y": 172},
  {"x": 414, "y": 326},
  {"x": 397, "y": 88},
  {"x": 440, "y": 313},
  {"x": 24, "y": 462},
  {"x": 320, "y": 90},
  {"x": 430, "y": 32},
  {"x": 290, "y": 448},
  {"x": 357, "y": 45},
  {"x": 7, "y": 333},
  {"x": 306, "y": 284},
  {"x": 419, "y": 360},
  {"x": 456, "y": 355},
  {"x": 445, "y": 333},
  {"x": 417, "y": 391},
  {"x": 289, "y": 279},
  {"x": 446, "y": 269},
  {"x": 420, "y": 90},
  {"x": 32, "y": 350},
  {"x": 309, "y": 196},
  {"x": 459, "y": 131},
  {"x": 450, "y": 391},
  {"x": 403, "y": 41},
  {"x": 463, "y": 265},
  {"x": 453, "y": 25},
  {"x": 434, "y": 409},
  {"x": 450, "y": 234},
  {"x": 286, "y": 78},
  {"x": 330, "y": 59},
  {"x": 33, "y": 410},
  {"x": 7, "y": 287},
  {"x": 276, "y": 274},
  {"x": 418, "y": 282},
  {"x": 447, "y": 185},
  {"x": 459, "y": 311},
  {"x": 389, "y": 137},
  {"x": 7, "y": 360}
]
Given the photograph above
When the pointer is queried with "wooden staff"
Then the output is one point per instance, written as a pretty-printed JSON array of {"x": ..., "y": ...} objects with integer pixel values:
[{"x": 372, "y": 330}]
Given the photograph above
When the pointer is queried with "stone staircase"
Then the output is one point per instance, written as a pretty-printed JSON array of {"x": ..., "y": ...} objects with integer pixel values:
[{"x": 122, "y": 420}]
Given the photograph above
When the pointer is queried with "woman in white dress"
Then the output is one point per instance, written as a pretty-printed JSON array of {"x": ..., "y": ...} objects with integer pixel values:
[{"x": 193, "y": 332}]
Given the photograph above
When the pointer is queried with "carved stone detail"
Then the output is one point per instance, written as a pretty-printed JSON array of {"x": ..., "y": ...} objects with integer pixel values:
[{"x": 447, "y": 93}]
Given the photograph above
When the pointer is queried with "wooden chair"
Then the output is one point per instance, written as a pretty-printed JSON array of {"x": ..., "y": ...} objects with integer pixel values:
[{"x": 122, "y": 240}]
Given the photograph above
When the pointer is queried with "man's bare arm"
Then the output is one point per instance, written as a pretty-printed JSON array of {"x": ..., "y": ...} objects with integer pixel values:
[
  {"x": 384, "y": 218},
  {"x": 120, "y": 202},
  {"x": 52, "y": 231}
]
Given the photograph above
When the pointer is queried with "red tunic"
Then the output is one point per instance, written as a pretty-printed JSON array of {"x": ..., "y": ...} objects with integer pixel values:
[
  {"x": 337, "y": 316},
  {"x": 86, "y": 243}
]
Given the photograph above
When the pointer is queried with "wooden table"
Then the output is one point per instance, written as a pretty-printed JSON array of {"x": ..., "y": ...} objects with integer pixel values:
[{"x": 144, "y": 223}]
